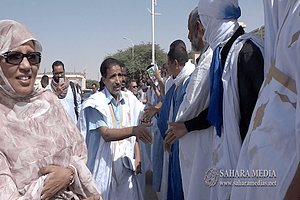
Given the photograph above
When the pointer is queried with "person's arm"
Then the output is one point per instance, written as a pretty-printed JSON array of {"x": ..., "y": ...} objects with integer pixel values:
[
  {"x": 139, "y": 131},
  {"x": 175, "y": 131},
  {"x": 8, "y": 188},
  {"x": 95, "y": 197},
  {"x": 137, "y": 154},
  {"x": 113, "y": 134},
  {"x": 144, "y": 101},
  {"x": 155, "y": 89},
  {"x": 198, "y": 123},
  {"x": 178, "y": 129},
  {"x": 151, "y": 111},
  {"x": 58, "y": 178},
  {"x": 250, "y": 76},
  {"x": 160, "y": 83}
]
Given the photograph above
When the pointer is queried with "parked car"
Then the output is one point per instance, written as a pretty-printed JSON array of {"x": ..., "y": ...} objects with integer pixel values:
[{"x": 86, "y": 93}]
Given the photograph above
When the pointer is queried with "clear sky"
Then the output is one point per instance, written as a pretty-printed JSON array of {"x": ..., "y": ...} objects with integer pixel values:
[{"x": 82, "y": 32}]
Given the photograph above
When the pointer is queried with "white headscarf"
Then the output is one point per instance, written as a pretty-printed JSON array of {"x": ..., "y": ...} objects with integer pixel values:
[
  {"x": 219, "y": 19},
  {"x": 12, "y": 35}
]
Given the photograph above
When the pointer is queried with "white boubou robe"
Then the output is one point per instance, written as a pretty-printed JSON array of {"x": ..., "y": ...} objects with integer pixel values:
[
  {"x": 272, "y": 141},
  {"x": 226, "y": 149},
  {"x": 195, "y": 147},
  {"x": 68, "y": 102},
  {"x": 113, "y": 167}
]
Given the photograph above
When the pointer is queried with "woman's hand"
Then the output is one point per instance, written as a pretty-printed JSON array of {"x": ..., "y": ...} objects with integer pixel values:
[
  {"x": 95, "y": 197},
  {"x": 58, "y": 178}
]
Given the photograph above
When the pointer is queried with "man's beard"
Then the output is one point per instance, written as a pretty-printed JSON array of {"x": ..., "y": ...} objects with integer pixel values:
[
  {"x": 56, "y": 80},
  {"x": 195, "y": 43}
]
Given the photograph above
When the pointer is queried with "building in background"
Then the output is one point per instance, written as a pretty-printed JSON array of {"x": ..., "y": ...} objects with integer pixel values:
[{"x": 72, "y": 76}]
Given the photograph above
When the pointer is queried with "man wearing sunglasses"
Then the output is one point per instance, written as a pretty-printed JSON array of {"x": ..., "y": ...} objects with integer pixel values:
[
  {"x": 133, "y": 87},
  {"x": 64, "y": 90}
]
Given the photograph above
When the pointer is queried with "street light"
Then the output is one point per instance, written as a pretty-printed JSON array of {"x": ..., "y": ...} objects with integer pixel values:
[
  {"x": 132, "y": 47},
  {"x": 153, "y": 3}
]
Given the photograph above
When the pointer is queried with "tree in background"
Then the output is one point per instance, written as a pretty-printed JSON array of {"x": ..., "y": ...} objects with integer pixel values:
[
  {"x": 142, "y": 59},
  {"x": 89, "y": 83}
]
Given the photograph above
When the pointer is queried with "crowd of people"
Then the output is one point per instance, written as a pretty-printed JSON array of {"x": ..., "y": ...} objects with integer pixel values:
[{"x": 226, "y": 127}]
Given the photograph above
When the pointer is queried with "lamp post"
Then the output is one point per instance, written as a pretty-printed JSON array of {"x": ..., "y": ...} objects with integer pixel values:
[
  {"x": 132, "y": 47},
  {"x": 152, "y": 13}
]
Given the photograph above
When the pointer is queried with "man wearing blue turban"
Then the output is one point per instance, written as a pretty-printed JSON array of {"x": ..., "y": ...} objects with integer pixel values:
[{"x": 236, "y": 74}]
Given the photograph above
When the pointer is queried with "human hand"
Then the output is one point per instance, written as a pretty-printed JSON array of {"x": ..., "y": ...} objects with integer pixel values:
[
  {"x": 143, "y": 100},
  {"x": 142, "y": 133},
  {"x": 58, "y": 178},
  {"x": 157, "y": 75},
  {"x": 59, "y": 89},
  {"x": 150, "y": 82},
  {"x": 95, "y": 197},
  {"x": 149, "y": 113},
  {"x": 167, "y": 147},
  {"x": 175, "y": 131},
  {"x": 137, "y": 161},
  {"x": 138, "y": 166}
]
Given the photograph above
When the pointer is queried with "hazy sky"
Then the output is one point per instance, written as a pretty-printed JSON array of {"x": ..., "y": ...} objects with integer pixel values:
[{"x": 82, "y": 32}]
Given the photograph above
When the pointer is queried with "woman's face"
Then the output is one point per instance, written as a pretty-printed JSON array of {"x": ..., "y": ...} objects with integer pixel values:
[{"x": 22, "y": 76}]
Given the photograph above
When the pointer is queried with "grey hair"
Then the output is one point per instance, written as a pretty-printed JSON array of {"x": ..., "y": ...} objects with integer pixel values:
[{"x": 194, "y": 17}]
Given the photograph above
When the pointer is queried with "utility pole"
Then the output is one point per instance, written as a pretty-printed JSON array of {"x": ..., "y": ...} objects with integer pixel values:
[
  {"x": 153, "y": 2},
  {"x": 125, "y": 38}
]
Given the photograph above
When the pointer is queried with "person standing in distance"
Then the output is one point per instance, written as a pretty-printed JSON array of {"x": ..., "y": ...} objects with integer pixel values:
[{"x": 65, "y": 90}]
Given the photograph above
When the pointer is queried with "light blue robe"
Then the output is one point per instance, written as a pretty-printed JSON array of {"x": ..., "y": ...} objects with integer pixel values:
[{"x": 111, "y": 163}]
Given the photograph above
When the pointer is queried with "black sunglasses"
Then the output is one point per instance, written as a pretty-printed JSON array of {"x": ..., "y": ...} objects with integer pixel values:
[{"x": 16, "y": 57}]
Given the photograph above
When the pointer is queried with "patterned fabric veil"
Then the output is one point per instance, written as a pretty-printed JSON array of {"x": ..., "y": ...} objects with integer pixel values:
[
  {"x": 12, "y": 35},
  {"x": 36, "y": 131}
]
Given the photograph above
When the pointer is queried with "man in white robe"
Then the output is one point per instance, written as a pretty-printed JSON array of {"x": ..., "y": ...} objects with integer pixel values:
[
  {"x": 109, "y": 122},
  {"x": 180, "y": 69},
  {"x": 194, "y": 147},
  {"x": 236, "y": 74},
  {"x": 272, "y": 142},
  {"x": 65, "y": 90}
]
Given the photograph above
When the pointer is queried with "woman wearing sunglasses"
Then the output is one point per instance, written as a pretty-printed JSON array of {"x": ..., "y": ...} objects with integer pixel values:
[{"x": 39, "y": 158}]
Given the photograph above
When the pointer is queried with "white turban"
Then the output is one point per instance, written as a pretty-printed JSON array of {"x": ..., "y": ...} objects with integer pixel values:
[
  {"x": 220, "y": 9},
  {"x": 219, "y": 19}
]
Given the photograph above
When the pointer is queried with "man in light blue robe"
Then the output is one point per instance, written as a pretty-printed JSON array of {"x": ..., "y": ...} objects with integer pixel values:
[{"x": 109, "y": 122}]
